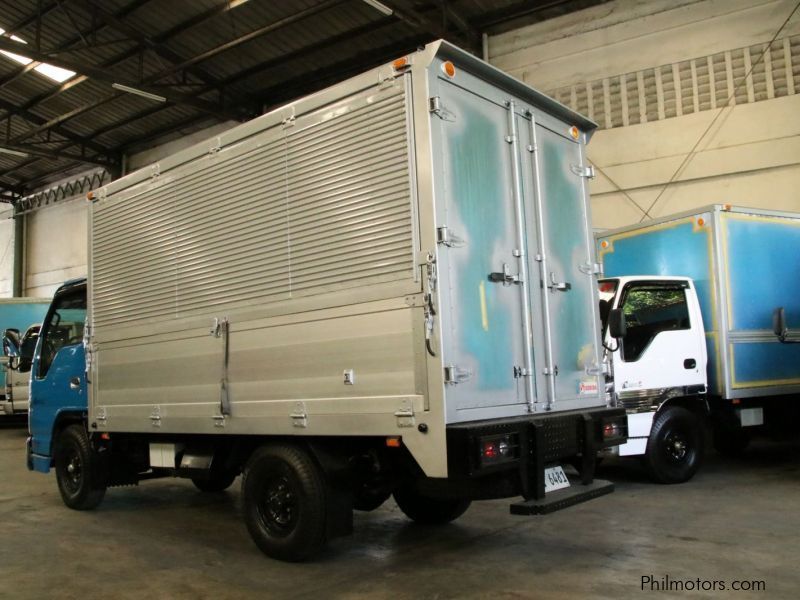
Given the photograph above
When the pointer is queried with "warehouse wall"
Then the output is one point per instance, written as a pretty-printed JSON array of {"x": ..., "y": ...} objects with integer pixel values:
[
  {"x": 654, "y": 74},
  {"x": 56, "y": 246},
  {"x": 6, "y": 250}
]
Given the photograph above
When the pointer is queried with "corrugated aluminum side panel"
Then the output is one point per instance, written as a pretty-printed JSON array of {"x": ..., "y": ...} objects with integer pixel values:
[
  {"x": 321, "y": 204},
  {"x": 350, "y": 214}
]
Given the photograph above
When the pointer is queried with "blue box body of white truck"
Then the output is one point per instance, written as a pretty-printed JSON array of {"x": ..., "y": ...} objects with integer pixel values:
[{"x": 745, "y": 263}]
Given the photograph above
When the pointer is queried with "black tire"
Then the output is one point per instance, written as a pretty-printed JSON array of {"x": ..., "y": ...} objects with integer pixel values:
[
  {"x": 79, "y": 472},
  {"x": 730, "y": 441},
  {"x": 367, "y": 500},
  {"x": 427, "y": 510},
  {"x": 215, "y": 482},
  {"x": 675, "y": 447},
  {"x": 285, "y": 502}
]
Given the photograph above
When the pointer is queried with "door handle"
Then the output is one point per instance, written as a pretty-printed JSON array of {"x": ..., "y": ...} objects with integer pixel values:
[
  {"x": 560, "y": 286},
  {"x": 689, "y": 363},
  {"x": 506, "y": 278},
  {"x": 75, "y": 383}
]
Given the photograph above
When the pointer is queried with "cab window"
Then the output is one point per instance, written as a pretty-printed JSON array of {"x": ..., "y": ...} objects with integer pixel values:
[
  {"x": 650, "y": 309},
  {"x": 27, "y": 347},
  {"x": 63, "y": 327}
]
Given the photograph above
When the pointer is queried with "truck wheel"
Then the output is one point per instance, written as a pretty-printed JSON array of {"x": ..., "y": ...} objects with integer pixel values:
[
  {"x": 285, "y": 502},
  {"x": 215, "y": 482},
  {"x": 427, "y": 510},
  {"x": 675, "y": 446},
  {"x": 78, "y": 472}
]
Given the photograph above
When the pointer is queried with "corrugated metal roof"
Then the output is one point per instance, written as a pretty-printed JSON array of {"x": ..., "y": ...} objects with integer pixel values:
[{"x": 210, "y": 58}]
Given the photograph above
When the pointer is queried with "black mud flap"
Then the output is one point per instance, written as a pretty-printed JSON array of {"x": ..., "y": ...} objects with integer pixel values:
[{"x": 564, "y": 498}]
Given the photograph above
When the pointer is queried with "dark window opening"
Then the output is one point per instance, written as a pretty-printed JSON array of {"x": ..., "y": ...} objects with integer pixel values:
[
  {"x": 650, "y": 309},
  {"x": 63, "y": 327}
]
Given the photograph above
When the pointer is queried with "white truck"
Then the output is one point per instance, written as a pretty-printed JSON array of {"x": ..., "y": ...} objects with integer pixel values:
[
  {"x": 388, "y": 287},
  {"x": 691, "y": 298},
  {"x": 18, "y": 368}
]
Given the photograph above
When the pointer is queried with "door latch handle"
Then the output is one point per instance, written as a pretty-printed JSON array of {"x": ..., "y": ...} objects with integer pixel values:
[
  {"x": 558, "y": 286},
  {"x": 506, "y": 278},
  {"x": 689, "y": 363},
  {"x": 75, "y": 383}
]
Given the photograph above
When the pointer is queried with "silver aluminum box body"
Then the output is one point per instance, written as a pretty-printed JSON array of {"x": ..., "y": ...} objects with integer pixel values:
[{"x": 325, "y": 269}]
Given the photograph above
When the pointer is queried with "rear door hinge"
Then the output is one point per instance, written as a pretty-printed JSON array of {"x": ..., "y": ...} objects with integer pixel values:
[
  {"x": 435, "y": 106},
  {"x": 591, "y": 268},
  {"x": 454, "y": 375},
  {"x": 445, "y": 237},
  {"x": 581, "y": 171}
]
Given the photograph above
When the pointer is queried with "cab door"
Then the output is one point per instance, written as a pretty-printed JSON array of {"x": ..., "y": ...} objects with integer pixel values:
[
  {"x": 663, "y": 347},
  {"x": 58, "y": 375}
]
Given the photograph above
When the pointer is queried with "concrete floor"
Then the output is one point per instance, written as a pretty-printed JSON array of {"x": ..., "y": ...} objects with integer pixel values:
[{"x": 737, "y": 520}]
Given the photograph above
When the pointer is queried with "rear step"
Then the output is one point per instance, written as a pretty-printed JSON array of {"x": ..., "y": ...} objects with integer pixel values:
[{"x": 558, "y": 499}]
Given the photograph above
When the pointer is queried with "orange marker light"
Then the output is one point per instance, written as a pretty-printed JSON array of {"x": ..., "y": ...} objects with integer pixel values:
[
  {"x": 90, "y": 196},
  {"x": 400, "y": 63},
  {"x": 726, "y": 207},
  {"x": 393, "y": 442},
  {"x": 105, "y": 436},
  {"x": 574, "y": 132},
  {"x": 449, "y": 69},
  {"x": 701, "y": 221},
  {"x": 604, "y": 244}
]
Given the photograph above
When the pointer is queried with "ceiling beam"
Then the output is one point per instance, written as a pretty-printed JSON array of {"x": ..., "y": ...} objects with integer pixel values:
[
  {"x": 257, "y": 33},
  {"x": 101, "y": 74},
  {"x": 38, "y": 151},
  {"x": 38, "y": 121},
  {"x": 426, "y": 23},
  {"x": 115, "y": 22}
]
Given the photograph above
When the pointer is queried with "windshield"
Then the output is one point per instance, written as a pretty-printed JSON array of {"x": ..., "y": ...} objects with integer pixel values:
[{"x": 608, "y": 287}]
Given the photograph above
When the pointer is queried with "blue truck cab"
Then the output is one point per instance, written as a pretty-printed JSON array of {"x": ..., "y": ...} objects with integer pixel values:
[{"x": 58, "y": 374}]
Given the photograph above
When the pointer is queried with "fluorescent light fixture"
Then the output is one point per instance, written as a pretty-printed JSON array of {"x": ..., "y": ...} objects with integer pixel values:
[
  {"x": 142, "y": 93},
  {"x": 13, "y": 152},
  {"x": 50, "y": 71},
  {"x": 380, "y": 6}
]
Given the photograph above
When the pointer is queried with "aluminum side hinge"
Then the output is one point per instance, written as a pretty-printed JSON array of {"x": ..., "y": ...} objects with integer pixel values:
[
  {"x": 299, "y": 415},
  {"x": 216, "y": 144},
  {"x": 100, "y": 416},
  {"x": 454, "y": 375},
  {"x": 155, "y": 416},
  {"x": 580, "y": 171},
  {"x": 155, "y": 171},
  {"x": 219, "y": 420},
  {"x": 435, "y": 106},
  {"x": 405, "y": 414}
]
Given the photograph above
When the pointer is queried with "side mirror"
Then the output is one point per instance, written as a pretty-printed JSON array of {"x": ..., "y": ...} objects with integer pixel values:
[
  {"x": 11, "y": 343},
  {"x": 616, "y": 323},
  {"x": 779, "y": 323}
]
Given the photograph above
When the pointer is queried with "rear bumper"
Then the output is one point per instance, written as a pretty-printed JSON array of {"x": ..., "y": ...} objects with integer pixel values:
[{"x": 536, "y": 442}]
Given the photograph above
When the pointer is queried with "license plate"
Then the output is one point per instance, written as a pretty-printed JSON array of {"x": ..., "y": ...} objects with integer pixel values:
[{"x": 555, "y": 479}]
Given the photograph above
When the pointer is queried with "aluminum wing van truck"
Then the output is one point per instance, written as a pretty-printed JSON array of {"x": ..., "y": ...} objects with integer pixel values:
[
  {"x": 19, "y": 320},
  {"x": 695, "y": 294},
  {"x": 388, "y": 287}
]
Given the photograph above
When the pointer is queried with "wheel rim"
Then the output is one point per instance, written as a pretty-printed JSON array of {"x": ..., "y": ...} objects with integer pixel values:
[
  {"x": 278, "y": 505},
  {"x": 677, "y": 446},
  {"x": 73, "y": 472}
]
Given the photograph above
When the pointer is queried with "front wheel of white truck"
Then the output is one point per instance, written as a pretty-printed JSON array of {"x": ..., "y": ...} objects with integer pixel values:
[
  {"x": 675, "y": 447},
  {"x": 285, "y": 502}
]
